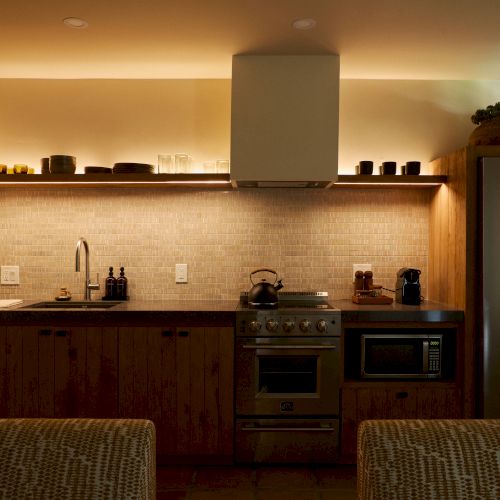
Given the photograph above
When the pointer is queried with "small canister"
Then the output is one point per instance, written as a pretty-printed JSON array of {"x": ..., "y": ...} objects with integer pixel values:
[
  {"x": 358, "y": 281},
  {"x": 367, "y": 280}
]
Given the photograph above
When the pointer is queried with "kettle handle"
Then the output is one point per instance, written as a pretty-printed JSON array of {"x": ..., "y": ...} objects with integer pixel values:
[{"x": 262, "y": 270}]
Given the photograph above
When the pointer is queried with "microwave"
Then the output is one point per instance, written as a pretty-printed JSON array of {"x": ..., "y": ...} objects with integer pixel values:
[{"x": 404, "y": 356}]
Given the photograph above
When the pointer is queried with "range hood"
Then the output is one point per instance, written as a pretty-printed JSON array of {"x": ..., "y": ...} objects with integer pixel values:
[{"x": 284, "y": 120}]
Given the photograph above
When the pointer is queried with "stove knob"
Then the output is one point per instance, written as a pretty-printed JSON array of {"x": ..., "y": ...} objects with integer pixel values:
[
  {"x": 321, "y": 326},
  {"x": 254, "y": 326},
  {"x": 288, "y": 325},
  {"x": 305, "y": 325},
  {"x": 272, "y": 325}
]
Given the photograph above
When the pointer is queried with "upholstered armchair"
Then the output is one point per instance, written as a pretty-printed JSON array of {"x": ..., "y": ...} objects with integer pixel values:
[
  {"x": 429, "y": 459},
  {"x": 77, "y": 459}
]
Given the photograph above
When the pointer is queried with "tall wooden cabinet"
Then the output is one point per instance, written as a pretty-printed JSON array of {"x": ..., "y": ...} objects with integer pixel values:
[{"x": 454, "y": 235}]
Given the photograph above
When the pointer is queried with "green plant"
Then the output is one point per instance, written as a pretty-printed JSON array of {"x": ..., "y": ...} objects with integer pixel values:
[{"x": 482, "y": 115}]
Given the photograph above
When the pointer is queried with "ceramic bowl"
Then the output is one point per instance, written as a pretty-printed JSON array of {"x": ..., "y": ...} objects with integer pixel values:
[{"x": 62, "y": 164}]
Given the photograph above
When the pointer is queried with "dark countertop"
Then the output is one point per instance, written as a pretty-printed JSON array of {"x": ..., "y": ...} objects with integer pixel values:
[
  {"x": 210, "y": 313},
  {"x": 129, "y": 313},
  {"x": 427, "y": 311}
]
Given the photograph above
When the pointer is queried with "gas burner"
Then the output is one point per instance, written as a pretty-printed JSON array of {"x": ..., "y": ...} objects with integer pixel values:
[{"x": 317, "y": 300}]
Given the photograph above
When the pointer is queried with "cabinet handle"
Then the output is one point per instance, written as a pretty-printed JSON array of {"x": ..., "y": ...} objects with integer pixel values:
[
  {"x": 183, "y": 334},
  {"x": 45, "y": 332},
  {"x": 167, "y": 333},
  {"x": 61, "y": 333},
  {"x": 401, "y": 395}
]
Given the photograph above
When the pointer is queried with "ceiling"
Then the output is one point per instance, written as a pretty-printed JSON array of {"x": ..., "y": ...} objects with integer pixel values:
[{"x": 382, "y": 39}]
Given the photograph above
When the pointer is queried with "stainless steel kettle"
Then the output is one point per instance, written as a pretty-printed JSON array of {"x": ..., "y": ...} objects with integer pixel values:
[{"x": 264, "y": 293}]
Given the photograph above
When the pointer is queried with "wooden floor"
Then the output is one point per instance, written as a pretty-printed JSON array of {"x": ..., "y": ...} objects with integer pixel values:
[{"x": 256, "y": 483}]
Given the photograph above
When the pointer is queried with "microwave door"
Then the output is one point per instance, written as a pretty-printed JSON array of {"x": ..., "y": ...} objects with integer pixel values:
[{"x": 390, "y": 356}]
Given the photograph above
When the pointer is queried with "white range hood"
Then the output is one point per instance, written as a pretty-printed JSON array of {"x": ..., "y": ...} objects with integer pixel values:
[{"x": 284, "y": 120}]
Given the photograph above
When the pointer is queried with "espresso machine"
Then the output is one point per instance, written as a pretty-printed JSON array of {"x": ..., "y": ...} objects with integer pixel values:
[{"x": 408, "y": 286}]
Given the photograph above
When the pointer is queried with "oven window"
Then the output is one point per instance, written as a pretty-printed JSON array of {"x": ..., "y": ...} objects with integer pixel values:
[
  {"x": 288, "y": 374},
  {"x": 393, "y": 356}
]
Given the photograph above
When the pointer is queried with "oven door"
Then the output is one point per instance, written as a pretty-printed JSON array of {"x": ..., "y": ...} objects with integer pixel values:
[{"x": 287, "y": 376}]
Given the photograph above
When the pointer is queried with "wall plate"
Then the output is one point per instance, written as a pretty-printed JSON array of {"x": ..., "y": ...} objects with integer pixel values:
[
  {"x": 9, "y": 275},
  {"x": 360, "y": 267}
]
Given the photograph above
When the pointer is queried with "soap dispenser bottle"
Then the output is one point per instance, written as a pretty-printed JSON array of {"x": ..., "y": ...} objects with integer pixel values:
[
  {"x": 121, "y": 285},
  {"x": 110, "y": 286}
]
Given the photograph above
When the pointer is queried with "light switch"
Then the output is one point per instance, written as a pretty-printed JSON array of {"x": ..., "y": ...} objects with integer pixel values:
[
  {"x": 9, "y": 275},
  {"x": 181, "y": 273}
]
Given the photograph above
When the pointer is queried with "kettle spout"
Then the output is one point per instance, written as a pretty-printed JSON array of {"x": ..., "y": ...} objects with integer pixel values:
[{"x": 278, "y": 285}]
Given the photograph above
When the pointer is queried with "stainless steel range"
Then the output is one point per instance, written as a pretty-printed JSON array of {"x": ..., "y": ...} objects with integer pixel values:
[{"x": 287, "y": 380}]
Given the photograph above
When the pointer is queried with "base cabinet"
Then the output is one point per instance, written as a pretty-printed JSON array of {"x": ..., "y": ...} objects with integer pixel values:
[
  {"x": 394, "y": 402},
  {"x": 56, "y": 372},
  {"x": 181, "y": 378}
]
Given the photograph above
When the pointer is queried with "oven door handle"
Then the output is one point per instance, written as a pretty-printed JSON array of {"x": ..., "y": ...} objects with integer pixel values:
[
  {"x": 286, "y": 347},
  {"x": 288, "y": 429}
]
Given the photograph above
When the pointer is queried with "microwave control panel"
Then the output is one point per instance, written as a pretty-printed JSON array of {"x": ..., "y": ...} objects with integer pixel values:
[{"x": 434, "y": 355}]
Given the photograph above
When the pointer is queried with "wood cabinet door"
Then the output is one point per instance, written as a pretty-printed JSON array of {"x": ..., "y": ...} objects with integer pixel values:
[
  {"x": 58, "y": 372},
  {"x": 181, "y": 378},
  {"x": 360, "y": 404},
  {"x": 85, "y": 372},
  {"x": 147, "y": 380},
  {"x": 205, "y": 391},
  {"x": 396, "y": 402},
  {"x": 18, "y": 382},
  {"x": 439, "y": 402}
]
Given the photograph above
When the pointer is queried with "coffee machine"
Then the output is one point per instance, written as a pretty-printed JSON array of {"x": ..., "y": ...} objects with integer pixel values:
[{"x": 408, "y": 286}]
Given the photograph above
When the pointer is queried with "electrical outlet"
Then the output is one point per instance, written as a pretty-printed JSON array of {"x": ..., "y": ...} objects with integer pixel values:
[
  {"x": 9, "y": 275},
  {"x": 181, "y": 273},
  {"x": 360, "y": 267}
]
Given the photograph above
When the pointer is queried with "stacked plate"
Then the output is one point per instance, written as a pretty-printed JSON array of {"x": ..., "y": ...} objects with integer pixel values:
[
  {"x": 133, "y": 168},
  {"x": 98, "y": 170}
]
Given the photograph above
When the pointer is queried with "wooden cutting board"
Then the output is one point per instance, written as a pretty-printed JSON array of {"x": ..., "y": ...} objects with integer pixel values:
[
  {"x": 9, "y": 302},
  {"x": 381, "y": 299}
]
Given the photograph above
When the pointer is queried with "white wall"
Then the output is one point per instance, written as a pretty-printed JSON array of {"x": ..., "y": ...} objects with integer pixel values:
[
  {"x": 106, "y": 121},
  {"x": 401, "y": 120}
]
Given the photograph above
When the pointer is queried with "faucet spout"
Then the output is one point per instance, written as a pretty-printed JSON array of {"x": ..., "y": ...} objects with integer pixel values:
[{"x": 88, "y": 285}]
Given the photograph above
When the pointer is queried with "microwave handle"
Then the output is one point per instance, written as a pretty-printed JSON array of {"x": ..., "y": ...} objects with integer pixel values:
[{"x": 425, "y": 354}]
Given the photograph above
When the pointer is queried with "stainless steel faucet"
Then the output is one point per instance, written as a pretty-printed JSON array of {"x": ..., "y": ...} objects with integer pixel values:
[{"x": 88, "y": 285}]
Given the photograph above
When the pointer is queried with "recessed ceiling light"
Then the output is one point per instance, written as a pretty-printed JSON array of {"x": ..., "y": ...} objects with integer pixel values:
[
  {"x": 75, "y": 22},
  {"x": 306, "y": 23}
]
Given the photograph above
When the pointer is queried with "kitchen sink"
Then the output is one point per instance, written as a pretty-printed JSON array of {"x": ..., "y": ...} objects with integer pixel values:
[{"x": 72, "y": 305}]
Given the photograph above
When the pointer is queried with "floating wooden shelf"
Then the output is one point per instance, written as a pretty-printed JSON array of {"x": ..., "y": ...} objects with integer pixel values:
[
  {"x": 389, "y": 181},
  {"x": 202, "y": 181},
  {"x": 169, "y": 181}
]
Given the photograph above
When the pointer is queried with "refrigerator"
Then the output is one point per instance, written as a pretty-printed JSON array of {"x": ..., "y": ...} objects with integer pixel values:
[{"x": 490, "y": 257}]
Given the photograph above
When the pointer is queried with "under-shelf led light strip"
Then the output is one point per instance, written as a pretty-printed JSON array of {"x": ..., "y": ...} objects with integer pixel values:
[
  {"x": 111, "y": 183},
  {"x": 350, "y": 183}
]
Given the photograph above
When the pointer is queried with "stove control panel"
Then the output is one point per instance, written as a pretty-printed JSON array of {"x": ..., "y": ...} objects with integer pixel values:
[{"x": 274, "y": 324}]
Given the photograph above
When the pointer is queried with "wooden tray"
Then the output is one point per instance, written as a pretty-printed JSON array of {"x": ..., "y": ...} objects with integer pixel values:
[{"x": 382, "y": 299}]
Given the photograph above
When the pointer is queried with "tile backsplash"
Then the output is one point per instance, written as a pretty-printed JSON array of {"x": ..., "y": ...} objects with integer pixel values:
[{"x": 310, "y": 237}]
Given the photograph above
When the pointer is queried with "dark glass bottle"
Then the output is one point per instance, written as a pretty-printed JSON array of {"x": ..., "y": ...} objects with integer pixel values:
[
  {"x": 110, "y": 285},
  {"x": 121, "y": 285}
]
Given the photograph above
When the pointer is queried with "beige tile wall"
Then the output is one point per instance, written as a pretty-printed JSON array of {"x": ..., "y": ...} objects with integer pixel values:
[{"x": 311, "y": 237}]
